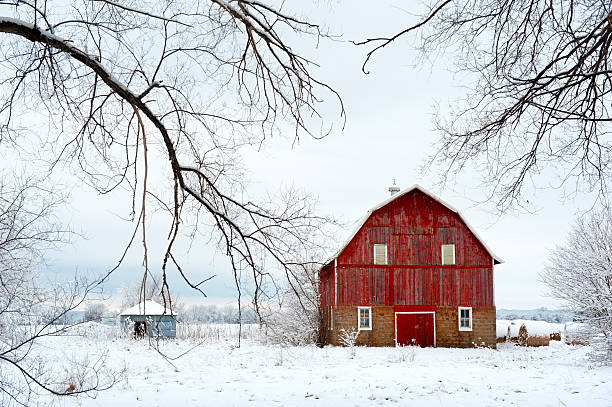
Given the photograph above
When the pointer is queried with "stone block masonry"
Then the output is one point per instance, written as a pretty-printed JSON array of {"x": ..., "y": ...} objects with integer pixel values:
[
  {"x": 446, "y": 320},
  {"x": 381, "y": 334},
  {"x": 482, "y": 333}
]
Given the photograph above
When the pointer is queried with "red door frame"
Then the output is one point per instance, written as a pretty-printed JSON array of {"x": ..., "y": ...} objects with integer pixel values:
[{"x": 418, "y": 312}]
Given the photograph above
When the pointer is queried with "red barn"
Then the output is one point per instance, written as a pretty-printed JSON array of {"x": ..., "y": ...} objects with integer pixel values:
[{"x": 413, "y": 272}]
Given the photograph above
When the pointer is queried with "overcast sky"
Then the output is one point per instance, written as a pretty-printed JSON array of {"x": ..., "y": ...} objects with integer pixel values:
[{"x": 388, "y": 135}]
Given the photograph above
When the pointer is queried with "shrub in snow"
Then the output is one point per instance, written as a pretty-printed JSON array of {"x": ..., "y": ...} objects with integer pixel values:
[
  {"x": 480, "y": 344},
  {"x": 348, "y": 338},
  {"x": 404, "y": 353},
  {"x": 296, "y": 319},
  {"x": 279, "y": 360},
  {"x": 576, "y": 334},
  {"x": 291, "y": 324}
]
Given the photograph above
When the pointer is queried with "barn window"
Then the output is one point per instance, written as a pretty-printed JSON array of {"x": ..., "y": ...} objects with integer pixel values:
[
  {"x": 448, "y": 254},
  {"x": 465, "y": 318},
  {"x": 380, "y": 254},
  {"x": 331, "y": 319},
  {"x": 364, "y": 315}
]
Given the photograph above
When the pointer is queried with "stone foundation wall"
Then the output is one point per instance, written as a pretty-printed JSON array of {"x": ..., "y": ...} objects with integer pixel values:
[
  {"x": 383, "y": 326},
  {"x": 482, "y": 333}
]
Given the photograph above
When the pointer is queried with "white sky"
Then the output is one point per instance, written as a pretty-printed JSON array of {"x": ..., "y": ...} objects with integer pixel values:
[{"x": 388, "y": 135}]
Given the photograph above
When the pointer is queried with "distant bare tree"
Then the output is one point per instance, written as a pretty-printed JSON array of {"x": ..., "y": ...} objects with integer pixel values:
[
  {"x": 131, "y": 294},
  {"x": 29, "y": 310},
  {"x": 139, "y": 291},
  {"x": 541, "y": 98},
  {"x": 213, "y": 314},
  {"x": 579, "y": 273},
  {"x": 94, "y": 311},
  {"x": 160, "y": 97}
]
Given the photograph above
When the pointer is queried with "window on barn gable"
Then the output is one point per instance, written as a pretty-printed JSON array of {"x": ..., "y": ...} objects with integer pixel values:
[
  {"x": 465, "y": 318},
  {"x": 364, "y": 315},
  {"x": 380, "y": 254},
  {"x": 448, "y": 254}
]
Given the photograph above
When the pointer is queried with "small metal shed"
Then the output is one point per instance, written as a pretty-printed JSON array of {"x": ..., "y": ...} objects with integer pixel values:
[{"x": 148, "y": 318}]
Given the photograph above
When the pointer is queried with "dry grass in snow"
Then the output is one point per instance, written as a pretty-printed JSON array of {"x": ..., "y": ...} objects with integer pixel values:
[{"x": 218, "y": 374}]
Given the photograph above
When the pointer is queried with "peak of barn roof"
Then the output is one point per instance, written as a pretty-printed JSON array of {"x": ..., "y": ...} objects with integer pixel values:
[
  {"x": 496, "y": 259},
  {"x": 148, "y": 307}
]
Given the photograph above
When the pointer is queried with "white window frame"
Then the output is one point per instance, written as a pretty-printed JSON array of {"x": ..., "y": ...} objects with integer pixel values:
[
  {"x": 359, "y": 327},
  {"x": 442, "y": 254},
  {"x": 331, "y": 318},
  {"x": 374, "y": 252},
  {"x": 465, "y": 328}
]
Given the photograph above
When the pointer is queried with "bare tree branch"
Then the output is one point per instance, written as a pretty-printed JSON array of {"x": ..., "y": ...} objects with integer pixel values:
[{"x": 539, "y": 90}]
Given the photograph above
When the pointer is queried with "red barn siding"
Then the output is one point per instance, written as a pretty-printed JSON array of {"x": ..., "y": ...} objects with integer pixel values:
[
  {"x": 374, "y": 285},
  {"x": 326, "y": 285},
  {"x": 414, "y": 227},
  {"x": 417, "y": 243}
]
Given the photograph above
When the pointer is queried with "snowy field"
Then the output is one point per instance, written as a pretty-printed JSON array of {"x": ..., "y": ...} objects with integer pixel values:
[{"x": 216, "y": 373}]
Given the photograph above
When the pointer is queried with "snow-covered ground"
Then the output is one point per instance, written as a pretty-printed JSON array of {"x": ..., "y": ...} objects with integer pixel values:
[{"x": 218, "y": 374}]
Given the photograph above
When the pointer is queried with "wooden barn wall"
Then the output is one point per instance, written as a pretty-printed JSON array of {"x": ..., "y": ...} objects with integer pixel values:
[
  {"x": 375, "y": 285},
  {"x": 326, "y": 285},
  {"x": 414, "y": 227}
]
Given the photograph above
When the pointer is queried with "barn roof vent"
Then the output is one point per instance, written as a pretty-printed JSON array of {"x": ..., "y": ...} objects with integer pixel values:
[{"x": 393, "y": 189}]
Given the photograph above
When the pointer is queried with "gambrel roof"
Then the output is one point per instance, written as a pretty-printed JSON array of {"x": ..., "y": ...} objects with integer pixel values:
[{"x": 496, "y": 259}]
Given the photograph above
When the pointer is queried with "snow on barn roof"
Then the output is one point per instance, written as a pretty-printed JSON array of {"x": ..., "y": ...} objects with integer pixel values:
[
  {"x": 147, "y": 308},
  {"x": 496, "y": 259}
]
